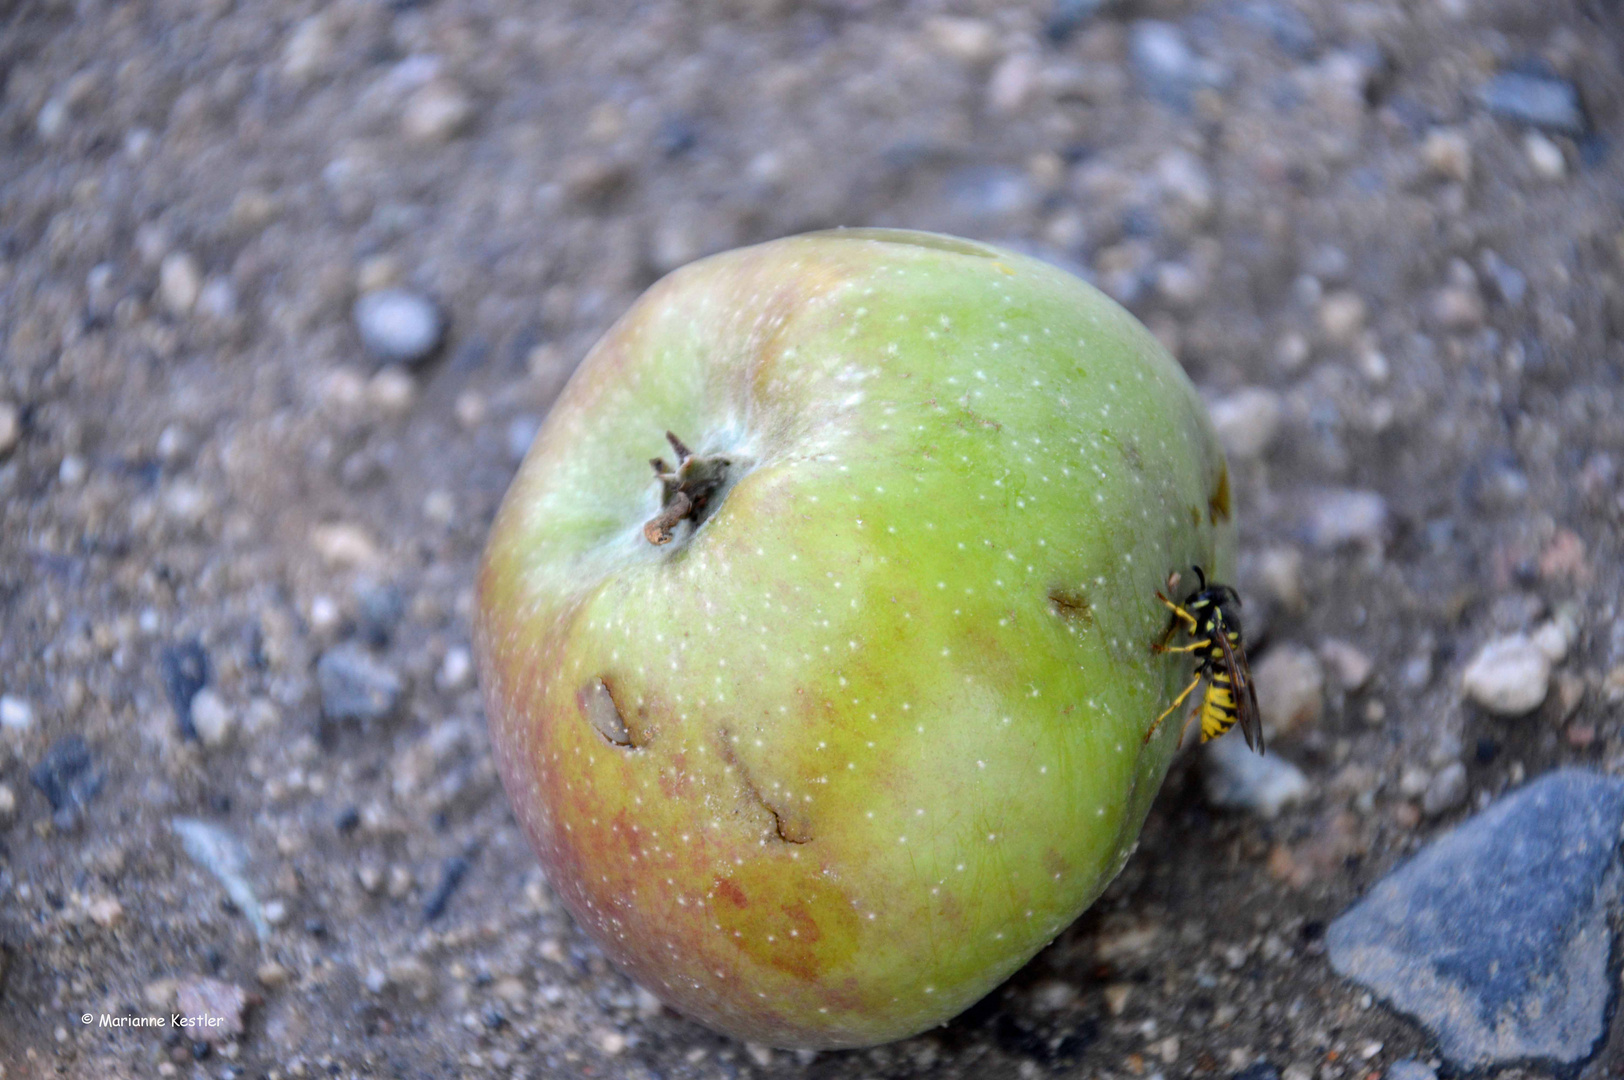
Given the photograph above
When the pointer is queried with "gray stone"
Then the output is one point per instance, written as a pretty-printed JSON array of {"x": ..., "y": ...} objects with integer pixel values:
[
  {"x": 1509, "y": 676},
  {"x": 1247, "y": 421},
  {"x": 1335, "y": 518},
  {"x": 1496, "y": 936},
  {"x": 399, "y": 327},
  {"x": 1445, "y": 791},
  {"x": 521, "y": 432},
  {"x": 1238, "y": 779},
  {"x": 1170, "y": 68},
  {"x": 1411, "y": 1069},
  {"x": 354, "y": 686},
  {"x": 1533, "y": 99}
]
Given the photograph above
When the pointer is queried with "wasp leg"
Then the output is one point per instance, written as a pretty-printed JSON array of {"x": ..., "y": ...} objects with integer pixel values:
[
  {"x": 1178, "y": 610},
  {"x": 1192, "y": 647},
  {"x": 1176, "y": 703}
]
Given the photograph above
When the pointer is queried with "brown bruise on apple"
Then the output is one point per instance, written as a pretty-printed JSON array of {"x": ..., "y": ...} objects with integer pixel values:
[{"x": 713, "y": 847}]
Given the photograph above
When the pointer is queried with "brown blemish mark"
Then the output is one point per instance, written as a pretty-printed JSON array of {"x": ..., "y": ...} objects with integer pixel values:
[
  {"x": 791, "y": 827},
  {"x": 596, "y": 702},
  {"x": 972, "y": 417},
  {"x": 1071, "y": 604},
  {"x": 802, "y": 925},
  {"x": 1218, "y": 501}
]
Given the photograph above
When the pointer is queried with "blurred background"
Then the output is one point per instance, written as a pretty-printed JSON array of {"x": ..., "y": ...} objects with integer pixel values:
[{"x": 287, "y": 287}]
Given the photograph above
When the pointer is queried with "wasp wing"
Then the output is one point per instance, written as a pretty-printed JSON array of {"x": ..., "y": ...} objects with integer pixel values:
[{"x": 1246, "y": 710}]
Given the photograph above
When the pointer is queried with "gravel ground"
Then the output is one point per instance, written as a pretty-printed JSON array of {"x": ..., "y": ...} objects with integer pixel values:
[{"x": 1397, "y": 275}]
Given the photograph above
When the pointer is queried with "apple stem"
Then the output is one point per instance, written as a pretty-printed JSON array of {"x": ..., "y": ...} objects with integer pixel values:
[{"x": 686, "y": 492}]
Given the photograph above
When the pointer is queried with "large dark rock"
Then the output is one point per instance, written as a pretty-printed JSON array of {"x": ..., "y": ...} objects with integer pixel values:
[{"x": 1496, "y": 936}]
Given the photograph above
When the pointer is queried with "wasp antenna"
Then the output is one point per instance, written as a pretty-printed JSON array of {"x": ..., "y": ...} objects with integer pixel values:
[{"x": 1201, "y": 576}]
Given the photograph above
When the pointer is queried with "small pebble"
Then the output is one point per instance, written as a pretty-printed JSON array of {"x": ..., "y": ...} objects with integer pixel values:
[
  {"x": 1342, "y": 317},
  {"x": 1445, "y": 791},
  {"x": 218, "y": 300},
  {"x": 440, "y": 507},
  {"x": 1351, "y": 667},
  {"x": 1280, "y": 573},
  {"x": 1332, "y": 519},
  {"x": 1413, "y": 781},
  {"x": 1448, "y": 153},
  {"x": 1247, "y": 421},
  {"x": 324, "y": 614},
  {"x": 8, "y": 804},
  {"x": 201, "y": 996},
  {"x": 309, "y": 49},
  {"x": 105, "y": 911},
  {"x": 1410, "y": 1069},
  {"x": 184, "y": 670},
  {"x": 593, "y": 179},
  {"x": 186, "y": 504},
  {"x": 343, "y": 545},
  {"x": 179, "y": 282},
  {"x": 378, "y": 272},
  {"x": 11, "y": 427},
  {"x": 272, "y": 976},
  {"x": 1554, "y": 638},
  {"x": 970, "y": 41},
  {"x": 1509, "y": 284},
  {"x": 399, "y": 327},
  {"x": 1458, "y": 307},
  {"x": 1509, "y": 676},
  {"x": 1532, "y": 99},
  {"x": 1544, "y": 157},
  {"x": 72, "y": 472},
  {"x": 1291, "y": 351},
  {"x": 1237, "y": 778},
  {"x": 16, "y": 713},
  {"x": 212, "y": 719},
  {"x": 67, "y": 777},
  {"x": 174, "y": 444},
  {"x": 469, "y": 409},
  {"x": 52, "y": 119},
  {"x": 354, "y": 686},
  {"x": 521, "y": 432},
  {"x": 1185, "y": 180},
  {"x": 380, "y": 609},
  {"x": 392, "y": 390},
  {"x": 456, "y": 670},
  {"x": 437, "y": 112},
  {"x": 1290, "y": 687},
  {"x": 1170, "y": 68},
  {"x": 452, "y": 871}
]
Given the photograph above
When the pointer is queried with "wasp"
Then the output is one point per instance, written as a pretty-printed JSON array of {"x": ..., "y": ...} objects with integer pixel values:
[{"x": 1211, "y": 617}]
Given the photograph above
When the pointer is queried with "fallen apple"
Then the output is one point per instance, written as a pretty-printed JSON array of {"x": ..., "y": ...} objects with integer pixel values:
[{"x": 826, "y": 724}]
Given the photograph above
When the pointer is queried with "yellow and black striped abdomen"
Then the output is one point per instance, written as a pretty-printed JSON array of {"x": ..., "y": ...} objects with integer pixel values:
[{"x": 1218, "y": 708}]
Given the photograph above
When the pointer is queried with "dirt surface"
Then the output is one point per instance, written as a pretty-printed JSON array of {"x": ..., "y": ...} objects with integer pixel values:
[{"x": 205, "y": 480}]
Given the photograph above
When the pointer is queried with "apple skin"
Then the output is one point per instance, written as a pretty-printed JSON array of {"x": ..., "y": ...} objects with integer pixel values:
[{"x": 879, "y": 720}]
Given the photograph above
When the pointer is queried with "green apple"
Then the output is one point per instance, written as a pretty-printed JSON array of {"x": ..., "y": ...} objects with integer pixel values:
[{"x": 828, "y": 722}]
